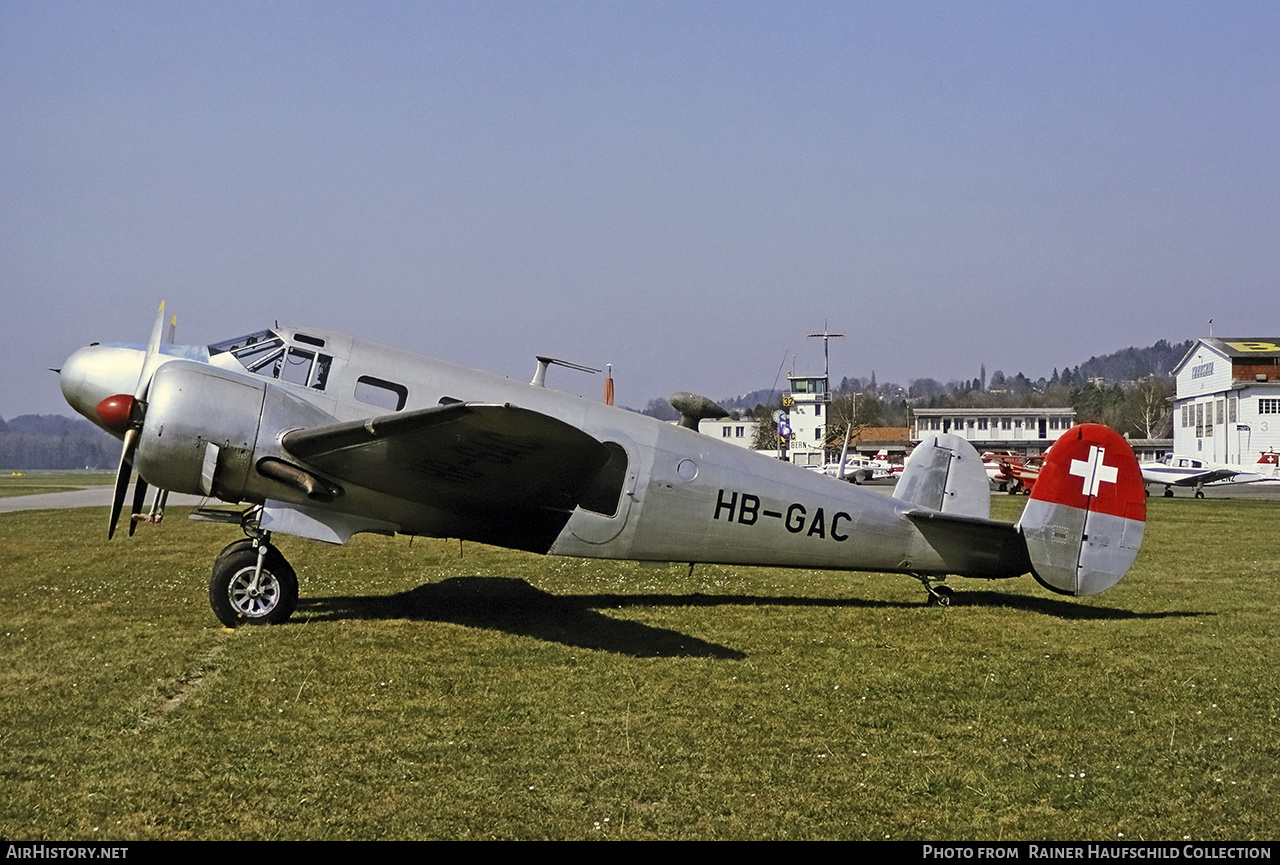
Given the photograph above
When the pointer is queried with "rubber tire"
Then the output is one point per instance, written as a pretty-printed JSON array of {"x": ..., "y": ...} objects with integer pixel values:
[
  {"x": 233, "y": 569},
  {"x": 234, "y": 546}
]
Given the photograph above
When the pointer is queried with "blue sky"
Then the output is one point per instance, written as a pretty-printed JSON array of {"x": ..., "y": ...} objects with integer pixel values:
[{"x": 683, "y": 190}]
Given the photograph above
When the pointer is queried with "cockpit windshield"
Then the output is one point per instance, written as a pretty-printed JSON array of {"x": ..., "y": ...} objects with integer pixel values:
[{"x": 264, "y": 353}]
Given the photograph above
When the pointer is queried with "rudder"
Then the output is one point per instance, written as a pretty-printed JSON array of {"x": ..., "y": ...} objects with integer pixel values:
[{"x": 1088, "y": 509}]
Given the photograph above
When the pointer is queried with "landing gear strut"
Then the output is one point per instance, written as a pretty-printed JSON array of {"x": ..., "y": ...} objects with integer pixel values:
[{"x": 252, "y": 584}]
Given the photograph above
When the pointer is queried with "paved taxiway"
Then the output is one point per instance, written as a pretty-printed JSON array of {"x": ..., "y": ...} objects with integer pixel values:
[{"x": 89, "y": 497}]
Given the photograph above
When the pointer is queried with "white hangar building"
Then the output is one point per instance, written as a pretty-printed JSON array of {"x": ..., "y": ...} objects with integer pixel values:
[{"x": 1227, "y": 403}]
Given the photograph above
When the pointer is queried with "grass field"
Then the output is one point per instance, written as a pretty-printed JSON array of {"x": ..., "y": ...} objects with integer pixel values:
[{"x": 439, "y": 690}]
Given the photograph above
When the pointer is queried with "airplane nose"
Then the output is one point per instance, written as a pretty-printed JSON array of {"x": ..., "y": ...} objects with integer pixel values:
[{"x": 95, "y": 372}]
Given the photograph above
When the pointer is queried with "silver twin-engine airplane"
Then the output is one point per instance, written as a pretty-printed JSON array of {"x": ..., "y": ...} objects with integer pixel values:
[{"x": 322, "y": 435}]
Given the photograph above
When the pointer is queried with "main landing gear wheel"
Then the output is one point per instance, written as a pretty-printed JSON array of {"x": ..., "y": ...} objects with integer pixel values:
[
  {"x": 240, "y": 595},
  {"x": 1199, "y": 494},
  {"x": 941, "y": 596}
]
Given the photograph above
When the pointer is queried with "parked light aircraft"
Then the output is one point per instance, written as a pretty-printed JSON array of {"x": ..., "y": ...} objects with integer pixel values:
[
  {"x": 1176, "y": 470},
  {"x": 323, "y": 435}
]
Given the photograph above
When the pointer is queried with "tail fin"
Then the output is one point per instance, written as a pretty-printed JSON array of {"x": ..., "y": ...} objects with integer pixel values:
[
  {"x": 1083, "y": 525},
  {"x": 945, "y": 474}
]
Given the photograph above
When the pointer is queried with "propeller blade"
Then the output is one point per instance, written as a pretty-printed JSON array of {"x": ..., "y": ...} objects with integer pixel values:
[
  {"x": 123, "y": 410},
  {"x": 139, "y": 498},
  {"x": 123, "y": 475},
  {"x": 153, "y": 357}
]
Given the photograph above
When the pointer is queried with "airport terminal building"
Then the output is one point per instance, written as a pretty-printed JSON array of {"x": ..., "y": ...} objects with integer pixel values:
[
  {"x": 1027, "y": 431},
  {"x": 1227, "y": 403}
]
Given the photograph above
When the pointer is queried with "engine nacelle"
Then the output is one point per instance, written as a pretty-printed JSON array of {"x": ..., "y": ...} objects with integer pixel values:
[{"x": 191, "y": 407}]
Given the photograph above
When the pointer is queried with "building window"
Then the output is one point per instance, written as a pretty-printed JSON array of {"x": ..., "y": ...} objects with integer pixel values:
[
  {"x": 724, "y": 432},
  {"x": 738, "y": 432},
  {"x": 1268, "y": 406}
]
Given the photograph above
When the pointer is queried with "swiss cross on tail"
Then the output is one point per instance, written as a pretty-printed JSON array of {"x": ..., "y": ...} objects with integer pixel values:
[
  {"x": 1092, "y": 467},
  {"x": 1094, "y": 470},
  {"x": 1085, "y": 520}
]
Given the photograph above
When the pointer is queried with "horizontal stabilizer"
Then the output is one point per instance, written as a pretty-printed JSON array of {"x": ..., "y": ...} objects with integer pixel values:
[
  {"x": 1084, "y": 523},
  {"x": 974, "y": 547}
]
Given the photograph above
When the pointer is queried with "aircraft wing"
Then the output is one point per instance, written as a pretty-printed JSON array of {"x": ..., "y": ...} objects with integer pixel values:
[{"x": 513, "y": 476}]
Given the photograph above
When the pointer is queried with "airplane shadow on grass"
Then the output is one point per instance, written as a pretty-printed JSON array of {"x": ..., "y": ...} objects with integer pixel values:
[{"x": 516, "y": 607}]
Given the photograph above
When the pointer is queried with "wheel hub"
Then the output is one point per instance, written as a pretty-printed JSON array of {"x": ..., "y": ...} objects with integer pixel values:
[{"x": 250, "y": 600}]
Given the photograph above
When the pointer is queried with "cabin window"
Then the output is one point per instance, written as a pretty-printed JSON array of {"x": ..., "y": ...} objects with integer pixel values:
[
  {"x": 605, "y": 492},
  {"x": 380, "y": 393}
]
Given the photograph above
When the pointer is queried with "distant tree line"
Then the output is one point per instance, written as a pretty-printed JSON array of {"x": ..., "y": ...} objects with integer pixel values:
[{"x": 55, "y": 442}]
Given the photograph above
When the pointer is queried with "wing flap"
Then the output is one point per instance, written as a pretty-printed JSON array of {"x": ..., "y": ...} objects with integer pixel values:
[{"x": 514, "y": 474}]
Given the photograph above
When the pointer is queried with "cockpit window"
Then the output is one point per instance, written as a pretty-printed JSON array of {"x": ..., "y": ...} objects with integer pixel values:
[
  {"x": 251, "y": 350},
  {"x": 264, "y": 353}
]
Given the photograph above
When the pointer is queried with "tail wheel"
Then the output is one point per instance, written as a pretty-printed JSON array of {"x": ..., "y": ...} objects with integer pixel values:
[
  {"x": 239, "y": 599},
  {"x": 941, "y": 596}
]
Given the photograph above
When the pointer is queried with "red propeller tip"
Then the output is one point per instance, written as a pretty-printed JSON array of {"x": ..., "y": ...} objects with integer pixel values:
[{"x": 115, "y": 412}]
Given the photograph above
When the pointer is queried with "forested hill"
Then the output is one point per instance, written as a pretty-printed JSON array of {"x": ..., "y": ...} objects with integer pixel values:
[
  {"x": 50, "y": 441},
  {"x": 1131, "y": 364}
]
